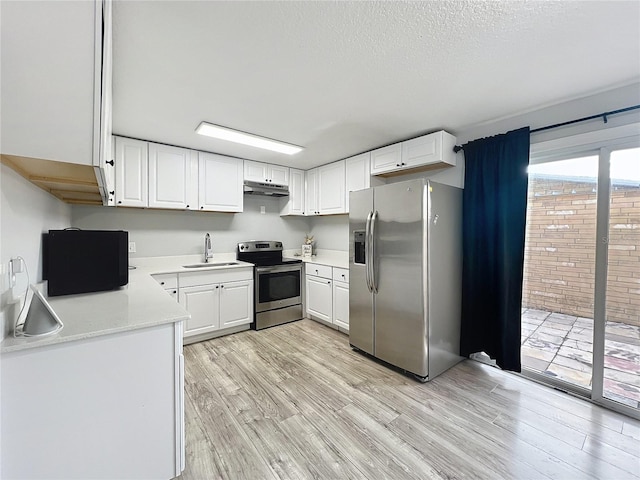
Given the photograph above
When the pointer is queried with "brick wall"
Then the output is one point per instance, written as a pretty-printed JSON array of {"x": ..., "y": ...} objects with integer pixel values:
[{"x": 559, "y": 265}]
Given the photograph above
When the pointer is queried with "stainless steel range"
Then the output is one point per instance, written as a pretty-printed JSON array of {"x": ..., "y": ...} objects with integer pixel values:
[{"x": 277, "y": 283}]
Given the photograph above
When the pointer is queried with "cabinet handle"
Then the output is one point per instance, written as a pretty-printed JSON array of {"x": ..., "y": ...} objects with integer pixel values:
[
  {"x": 397, "y": 164},
  {"x": 217, "y": 286},
  {"x": 175, "y": 291},
  {"x": 221, "y": 286},
  {"x": 202, "y": 208},
  {"x": 187, "y": 206},
  {"x": 110, "y": 162},
  {"x": 113, "y": 192},
  {"x": 119, "y": 201},
  {"x": 403, "y": 163},
  {"x": 329, "y": 283},
  {"x": 161, "y": 283},
  {"x": 343, "y": 275}
]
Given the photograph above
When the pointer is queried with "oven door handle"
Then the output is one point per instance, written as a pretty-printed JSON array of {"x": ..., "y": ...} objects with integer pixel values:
[{"x": 279, "y": 268}]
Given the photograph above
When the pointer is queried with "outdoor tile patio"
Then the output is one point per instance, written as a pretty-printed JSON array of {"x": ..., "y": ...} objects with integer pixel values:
[{"x": 561, "y": 346}]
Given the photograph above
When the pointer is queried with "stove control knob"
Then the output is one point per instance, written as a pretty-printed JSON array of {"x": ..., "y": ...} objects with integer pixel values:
[{"x": 241, "y": 247}]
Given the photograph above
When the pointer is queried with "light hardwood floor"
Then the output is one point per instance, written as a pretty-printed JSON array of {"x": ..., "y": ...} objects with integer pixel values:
[{"x": 295, "y": 401}]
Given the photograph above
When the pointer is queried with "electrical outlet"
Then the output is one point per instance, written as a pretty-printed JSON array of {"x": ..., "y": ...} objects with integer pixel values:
[
  {"x": 132, "y": 247},
  {"x": 263, "y": 210}
]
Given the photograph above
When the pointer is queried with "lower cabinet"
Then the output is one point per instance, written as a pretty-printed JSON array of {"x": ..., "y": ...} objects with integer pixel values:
[
  {"x": 216, "y": 299},
  {"x": 217, "y": 306},
  {"x": 320, "y": 298},
  {"x": 110, "y": 406},
  {"x": 327, "y": 294},
  {"x": 341, "y": 304}
]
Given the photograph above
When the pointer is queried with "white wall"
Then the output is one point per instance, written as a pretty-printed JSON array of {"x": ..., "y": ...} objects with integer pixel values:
[
  {"x": 168, "y": 232},
  {"x": 331, "y": 232},
  {"x": 26, "y": 212}
]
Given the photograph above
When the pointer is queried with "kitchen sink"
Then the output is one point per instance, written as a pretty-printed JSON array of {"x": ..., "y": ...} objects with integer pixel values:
[{"x": 205, "y": 265}]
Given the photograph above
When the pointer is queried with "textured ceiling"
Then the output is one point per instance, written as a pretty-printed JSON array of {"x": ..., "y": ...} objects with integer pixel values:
[{"x": 340, "y": 78}]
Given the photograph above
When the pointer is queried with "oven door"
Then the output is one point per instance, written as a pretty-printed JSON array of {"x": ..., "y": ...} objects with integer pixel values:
[{"x": 277, "y": 287}]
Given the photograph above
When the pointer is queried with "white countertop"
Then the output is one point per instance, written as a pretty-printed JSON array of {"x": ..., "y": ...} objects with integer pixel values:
[
  {"x": 331, "y": 258},
  {"x": 140, "y": 304}
]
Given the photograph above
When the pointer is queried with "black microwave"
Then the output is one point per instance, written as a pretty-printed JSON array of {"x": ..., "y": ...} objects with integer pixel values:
[{"x": 83, "y": 261}]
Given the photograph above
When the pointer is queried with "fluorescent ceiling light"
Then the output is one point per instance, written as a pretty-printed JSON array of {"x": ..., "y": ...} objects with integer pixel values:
[{"x": 246, "y": 139}]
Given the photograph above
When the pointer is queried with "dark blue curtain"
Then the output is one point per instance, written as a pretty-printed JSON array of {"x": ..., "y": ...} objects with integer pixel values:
[{"x": 494, "y": 211}]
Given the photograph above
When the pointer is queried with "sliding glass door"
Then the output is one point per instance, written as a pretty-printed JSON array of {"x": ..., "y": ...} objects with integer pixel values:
[{"x": 581, "y": 289}]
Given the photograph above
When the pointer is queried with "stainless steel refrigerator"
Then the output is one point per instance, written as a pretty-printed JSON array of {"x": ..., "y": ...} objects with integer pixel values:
[{"x": 405, "y": 275}]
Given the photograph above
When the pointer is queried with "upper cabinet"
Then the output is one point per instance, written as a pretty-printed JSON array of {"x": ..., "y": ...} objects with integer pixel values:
[
  {"x": 161, "y": 176},
  {"x": 357, "y": 175},
  {"x": 56, "y": 62},
  {"x": 220, "y": 187},
  {"x": 386, "y": 159},
  {"x": 132, "y": 172},
  {"x": 423, "y": 153},
  {"x": 294, "y": 204},
  {"x": 331, "y": 188},
  {"x": 265, "y": 173},
  {"x": 325, "y": 187},
  {"x": 173, "y": 177}
]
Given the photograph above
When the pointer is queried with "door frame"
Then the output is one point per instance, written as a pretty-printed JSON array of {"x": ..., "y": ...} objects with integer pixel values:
[{"x": 601, "y": 143}]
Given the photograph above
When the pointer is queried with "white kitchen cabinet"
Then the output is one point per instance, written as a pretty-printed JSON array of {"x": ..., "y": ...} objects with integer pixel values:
[
  {"x": 294, "y": 204},
  {"x": 434, "y": 150},
  {"x": 341, "y": 298},
  {"x": 173, "y": 177},
  {"x": 386, "y": 159},
  {"x": 319, "y": 297},
  {"x": 331, "y": 188},
  {"x": 203, "y": 303},
  {"x": 236, "y": 303},
  {"x": 110, "y": 406},
  {"x": 266, "y": 173},
  {"x": 218, "y": 300},
  {"x": 325, "y": 187},
  {"x": 132, "y": 177},
  {"x": 357, "y": 175},
  {"x": 311, "y": 192},
  {"x": 220, "y": 183},
  {"x": 51, "y": 77}
]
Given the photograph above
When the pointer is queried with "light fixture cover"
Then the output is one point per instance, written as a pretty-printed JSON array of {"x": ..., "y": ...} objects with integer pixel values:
[{"x": 236, "y": 136}]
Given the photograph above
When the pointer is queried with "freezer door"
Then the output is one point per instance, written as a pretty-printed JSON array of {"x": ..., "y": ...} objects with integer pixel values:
[
  {"x": 360, "y": 296},
  {"x": 400, "y": 276}
]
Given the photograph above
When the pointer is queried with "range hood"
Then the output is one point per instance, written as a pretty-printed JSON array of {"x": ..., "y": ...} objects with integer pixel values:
[{"x": 267, "y": 189}]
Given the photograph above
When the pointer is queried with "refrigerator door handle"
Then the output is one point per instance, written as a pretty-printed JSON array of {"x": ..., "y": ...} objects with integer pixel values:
[
  {"x": 367, "y": 252},
  {"x": 374, "y": 221}
]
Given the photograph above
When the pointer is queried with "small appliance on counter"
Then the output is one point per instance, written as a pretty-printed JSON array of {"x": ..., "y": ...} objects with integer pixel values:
[
  {"x": 277, "y": 283},
  {"x": 83, "y": 261}
]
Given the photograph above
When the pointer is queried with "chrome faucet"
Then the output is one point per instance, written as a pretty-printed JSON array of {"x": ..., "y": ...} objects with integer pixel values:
[{"x": 208, "y": 251}]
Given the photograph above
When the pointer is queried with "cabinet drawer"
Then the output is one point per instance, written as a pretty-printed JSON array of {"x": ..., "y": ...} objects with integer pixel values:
[
  {"x": 167, "y": 280},
  {"x": 192, "y": 279},
  {"x": 318, "y": 270},
  {"x": 341, "y": 274}
]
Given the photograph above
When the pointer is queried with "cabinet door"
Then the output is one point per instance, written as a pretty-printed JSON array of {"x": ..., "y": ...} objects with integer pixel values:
[
  {"x": 422, "y": 150},
  {"x": 171, "y": 177},
  {"x": 220, "y": 180},
  {"x": 319, "y": 297},
  {"x": 203, "y": 303},
  {"x": 131, "y": 172},
  {"x": 50, "y": 105},
  {"x": 341, "y": 304},
  {"x": 331, "y": 183},
  {"x": 294, "y": 204},
  {"x": 236, "y": 303},
  {"x": 357, "y": 175},
  {"x": 386, "y": 159},
  {"x": 278, "y": 175},
  {"x": 311, "y": 197},
  {"x": 256, "y": 171}
]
